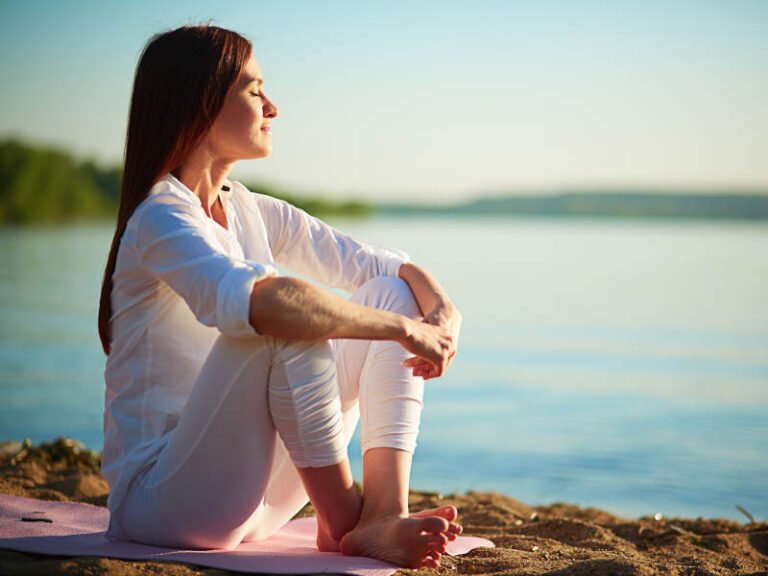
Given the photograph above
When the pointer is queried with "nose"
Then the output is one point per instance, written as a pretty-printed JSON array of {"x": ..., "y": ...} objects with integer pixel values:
[{"x": 270, "y": 110}]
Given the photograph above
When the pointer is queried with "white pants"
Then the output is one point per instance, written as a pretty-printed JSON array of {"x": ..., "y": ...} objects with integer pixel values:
[{"x": 260, "y": 408}]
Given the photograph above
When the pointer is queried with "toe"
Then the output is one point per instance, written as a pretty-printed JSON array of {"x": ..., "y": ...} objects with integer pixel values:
[
  {"x": 437, "y": 542},
  {"x": 434, "y": 525},
  {"x": 449, "y": 512},
  {"x": 432, "y": 558},
  {"x": 454, "y": 531}
]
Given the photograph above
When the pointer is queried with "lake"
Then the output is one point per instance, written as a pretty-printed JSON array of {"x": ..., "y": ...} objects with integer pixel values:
[{"x": 612, "y": 363}]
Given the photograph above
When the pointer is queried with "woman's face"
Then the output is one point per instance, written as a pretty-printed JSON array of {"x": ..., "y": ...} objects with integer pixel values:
[{"x": 242, "y": 129}]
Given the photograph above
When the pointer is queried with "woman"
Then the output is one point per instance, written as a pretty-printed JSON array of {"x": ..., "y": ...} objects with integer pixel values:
[{"x": 232, "y": 392}]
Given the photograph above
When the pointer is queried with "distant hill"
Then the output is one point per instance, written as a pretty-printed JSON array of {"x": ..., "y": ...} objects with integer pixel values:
[
  {"x": 46, "y": 185},
  {"x": 607, "y": 204},
  {"x": 316, "y": 205}
]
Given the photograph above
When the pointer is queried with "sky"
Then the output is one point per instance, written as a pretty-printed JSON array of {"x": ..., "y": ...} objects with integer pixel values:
[{"x": 430, "y": 100}]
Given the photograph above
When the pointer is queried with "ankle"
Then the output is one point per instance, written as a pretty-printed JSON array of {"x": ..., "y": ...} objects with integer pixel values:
[
  {"x": 341, "y": 523},
  {"x": 373, "y": 513}
]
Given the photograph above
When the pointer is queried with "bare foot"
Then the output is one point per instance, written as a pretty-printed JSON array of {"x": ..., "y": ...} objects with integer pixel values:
[
  {"x": 448, "y": 512},
  {"x": 327, "y": 543},
  {"x": 413, "y": 542}
]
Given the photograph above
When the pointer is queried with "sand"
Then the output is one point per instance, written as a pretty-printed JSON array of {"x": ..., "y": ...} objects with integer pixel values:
[{"x": 558, "y": 539}]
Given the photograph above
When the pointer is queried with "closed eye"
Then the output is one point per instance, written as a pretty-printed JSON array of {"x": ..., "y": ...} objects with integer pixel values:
[{"x": 258, "y": 95}]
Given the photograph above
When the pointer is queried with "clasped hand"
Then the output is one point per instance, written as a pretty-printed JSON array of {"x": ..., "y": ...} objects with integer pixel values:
[{"x": 433, "y": 341}]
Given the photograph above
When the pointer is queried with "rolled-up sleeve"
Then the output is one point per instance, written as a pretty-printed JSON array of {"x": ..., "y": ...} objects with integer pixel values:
[
  {"x": 308, "y": 245},
  {"x": 175, "y": 246}
]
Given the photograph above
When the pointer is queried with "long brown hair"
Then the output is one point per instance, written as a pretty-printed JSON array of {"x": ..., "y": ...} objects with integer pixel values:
[{"x": 182, "y": 79}]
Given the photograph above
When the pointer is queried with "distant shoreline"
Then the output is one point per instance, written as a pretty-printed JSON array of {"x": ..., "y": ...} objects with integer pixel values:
[
  {"x": 43, "y": 185},
  {"x": 615, "y": 205}
]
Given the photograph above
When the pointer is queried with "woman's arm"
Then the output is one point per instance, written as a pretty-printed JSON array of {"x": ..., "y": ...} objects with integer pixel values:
[
  {"x": 437, "y": 309},
  {"x": 305, "y": 244},
  {"x": 291, "y": 309}
]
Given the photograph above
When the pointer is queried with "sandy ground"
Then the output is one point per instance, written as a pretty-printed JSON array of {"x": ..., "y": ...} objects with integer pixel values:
[{"x": 559, "y": 539}]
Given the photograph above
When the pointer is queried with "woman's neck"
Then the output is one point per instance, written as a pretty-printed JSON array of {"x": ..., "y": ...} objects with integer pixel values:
[{"x": 205, "y": 178}]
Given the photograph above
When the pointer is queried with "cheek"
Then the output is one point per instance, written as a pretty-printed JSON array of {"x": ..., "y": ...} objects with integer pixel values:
[
  {"x": 239, "y": 119},
  {"x": 250, "y": 111}
]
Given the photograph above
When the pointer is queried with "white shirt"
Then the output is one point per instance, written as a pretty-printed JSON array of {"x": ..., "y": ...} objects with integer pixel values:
[{"x": 180, "y": 280}]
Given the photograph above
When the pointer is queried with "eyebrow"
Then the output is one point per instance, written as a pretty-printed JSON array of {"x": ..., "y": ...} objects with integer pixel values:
[{"x": 250, "y": 80}]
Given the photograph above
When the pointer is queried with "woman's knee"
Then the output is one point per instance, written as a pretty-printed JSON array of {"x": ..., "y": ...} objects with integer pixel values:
[{"x": 387, "y": 293}]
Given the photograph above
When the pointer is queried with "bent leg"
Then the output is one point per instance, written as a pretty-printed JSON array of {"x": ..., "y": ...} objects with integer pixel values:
[
  {"x": 371, "y": 372},
  {"x": 306, "y": 409},
  {"x": 390, "y": 402}
]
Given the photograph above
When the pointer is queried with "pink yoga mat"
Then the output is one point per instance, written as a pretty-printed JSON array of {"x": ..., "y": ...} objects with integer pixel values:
[{"x": 75, "y": 529}]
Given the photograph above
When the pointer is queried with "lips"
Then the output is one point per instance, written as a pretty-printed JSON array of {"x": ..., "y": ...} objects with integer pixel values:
[{"x": 267, "y": 128}]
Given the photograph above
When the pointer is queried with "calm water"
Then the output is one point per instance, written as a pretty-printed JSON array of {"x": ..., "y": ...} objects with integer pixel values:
[{"x": 614, "y": 364}]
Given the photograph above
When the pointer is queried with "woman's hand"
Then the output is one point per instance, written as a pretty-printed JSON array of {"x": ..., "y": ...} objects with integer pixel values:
[
  {"x": 433, "y": 347},
  {"x": 448, "y": 317},
  {"x": 438, "y": 311}
]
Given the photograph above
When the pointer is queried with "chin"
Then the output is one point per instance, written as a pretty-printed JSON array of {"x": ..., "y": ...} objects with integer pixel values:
[{"x": 260, "y": 153}]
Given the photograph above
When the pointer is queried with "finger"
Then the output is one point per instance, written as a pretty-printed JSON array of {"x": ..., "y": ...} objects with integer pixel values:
[
  {"x": 430, "y": 373},
  {"x": 423, "y": 372},
  {"x": 421, "y": 361},
  {"x": 420, "y": 368},
  {"x": 426, "y": 366}
]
